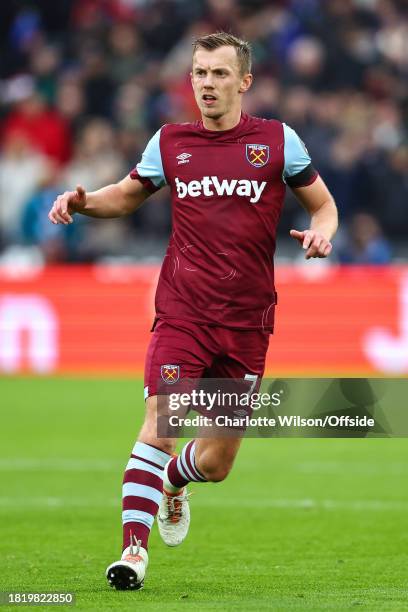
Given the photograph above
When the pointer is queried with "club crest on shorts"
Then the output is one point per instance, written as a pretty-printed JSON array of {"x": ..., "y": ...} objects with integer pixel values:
[
  {"x": 170, "y": 373},
  {"x": 257, "y": 154}
]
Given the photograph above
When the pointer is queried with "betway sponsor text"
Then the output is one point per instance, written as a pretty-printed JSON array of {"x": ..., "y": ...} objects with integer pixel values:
[{"x": 211, "y": 185}]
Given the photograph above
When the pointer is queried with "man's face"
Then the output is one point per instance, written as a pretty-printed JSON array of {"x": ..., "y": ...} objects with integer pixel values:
[{"x": 217, "y": 81}]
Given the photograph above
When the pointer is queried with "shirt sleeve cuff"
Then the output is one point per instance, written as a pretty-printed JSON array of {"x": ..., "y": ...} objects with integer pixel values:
[
  {"x": 306, "y": 177},
  {"x": 146, "y": 182}
]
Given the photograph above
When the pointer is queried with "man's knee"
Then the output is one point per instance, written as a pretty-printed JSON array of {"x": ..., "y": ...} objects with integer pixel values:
[
  {"x": 148, "y": 432},
  {"x": 167, "y": 445},
  {"x": 212, "y": 471},
  {"x": 214, "y": 459}
]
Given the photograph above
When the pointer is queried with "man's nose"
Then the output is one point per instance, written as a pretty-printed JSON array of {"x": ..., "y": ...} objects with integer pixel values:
[{"x": 208, "y": 81}]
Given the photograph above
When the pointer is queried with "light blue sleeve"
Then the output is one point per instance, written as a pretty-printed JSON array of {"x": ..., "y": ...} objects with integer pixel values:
[
  {"x": 151, "y": 165},
  {"x": 295, "y": 152}
]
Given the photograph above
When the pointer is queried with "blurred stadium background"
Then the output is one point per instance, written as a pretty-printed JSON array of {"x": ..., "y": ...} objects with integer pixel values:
[{"x": 83, "y": 85}]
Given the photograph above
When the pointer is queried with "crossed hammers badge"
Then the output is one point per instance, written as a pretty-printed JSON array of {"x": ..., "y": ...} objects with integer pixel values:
[
  {"x": 257, "y": 154},
  {"x": 170, "y": 373}
]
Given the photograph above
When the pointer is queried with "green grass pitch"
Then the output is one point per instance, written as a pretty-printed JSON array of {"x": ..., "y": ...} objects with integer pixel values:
[{"x": 299, "y": 524}]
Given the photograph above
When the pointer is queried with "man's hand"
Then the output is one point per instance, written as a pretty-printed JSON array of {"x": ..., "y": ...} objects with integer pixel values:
[
  {"x": 314, "y": 243},
  {"x": 66, "y": 204}
]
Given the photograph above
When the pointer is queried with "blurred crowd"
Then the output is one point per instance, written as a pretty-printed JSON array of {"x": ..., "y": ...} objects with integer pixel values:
[{"x": 85, "y": 83}]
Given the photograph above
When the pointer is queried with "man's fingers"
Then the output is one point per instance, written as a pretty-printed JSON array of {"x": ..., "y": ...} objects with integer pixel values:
[
  {"x": 296, "y": 234},
  {"x": 327, "y": 250},
  {"x": 314, "y": 246},
  {"x": 54, "y": 214},
  {"x": 60, "y": 218},
  {"x": 61, "y": 204},
  {"x": 64, "y": 205},
  {"x": 56, "y": 218},
  {"x": 308, "y": 239},
  {"x": 57, "y": 214},
  {"x": 313, "y": 243},
  {"x": 51, "y": 217},
  {"x": 311, "y": 252},
  {"x": 319, "y": 248}
]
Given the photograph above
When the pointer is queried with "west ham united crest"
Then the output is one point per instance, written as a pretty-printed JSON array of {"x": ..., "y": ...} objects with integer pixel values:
[
  {"x": 170, "y": 373},
  {"x": 257, "y": 154}
]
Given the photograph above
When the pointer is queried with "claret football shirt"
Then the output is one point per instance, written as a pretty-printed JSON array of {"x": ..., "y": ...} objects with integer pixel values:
[{"x": 227, "y": 191}]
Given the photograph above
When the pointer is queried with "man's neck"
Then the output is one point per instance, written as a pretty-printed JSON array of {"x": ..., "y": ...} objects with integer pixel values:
[{"x": 226, "y": 122}]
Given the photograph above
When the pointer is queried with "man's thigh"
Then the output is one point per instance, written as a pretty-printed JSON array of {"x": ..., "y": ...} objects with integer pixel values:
[
  {"x": 243, "y": 358},
  {"x": 178, "y": 351},
  {"x": 233, "y": 377}
]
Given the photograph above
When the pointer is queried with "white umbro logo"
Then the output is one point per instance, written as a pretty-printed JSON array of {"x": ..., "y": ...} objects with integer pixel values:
[{"x": 183, "y": 158}]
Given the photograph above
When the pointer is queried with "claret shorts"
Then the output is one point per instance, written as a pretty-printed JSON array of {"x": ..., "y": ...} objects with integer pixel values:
[{"x": 186, "y": 350}]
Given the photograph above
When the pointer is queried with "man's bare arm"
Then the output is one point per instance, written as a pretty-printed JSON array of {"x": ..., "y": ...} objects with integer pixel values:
[
  {"x": 112, "y": 201},
  {"x": 319, "y": 203}
]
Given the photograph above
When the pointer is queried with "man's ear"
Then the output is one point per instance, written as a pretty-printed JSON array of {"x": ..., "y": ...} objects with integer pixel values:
[{"x": 245, "y": 83}]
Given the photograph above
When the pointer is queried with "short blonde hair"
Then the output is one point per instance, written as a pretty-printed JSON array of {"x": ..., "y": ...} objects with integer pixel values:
[{"x": 224, "y": 39}]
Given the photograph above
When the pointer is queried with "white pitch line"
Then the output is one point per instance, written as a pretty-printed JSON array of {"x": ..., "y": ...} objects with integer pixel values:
[
  {"x": 352, "y": 467},
  {"x": 312, "y": 504},
  {"x": 56, "y": 502},
  {"x": 59, "y": 464},
  {"x": 21, "y": 464},
  {"x": 292, "y": 504}
]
